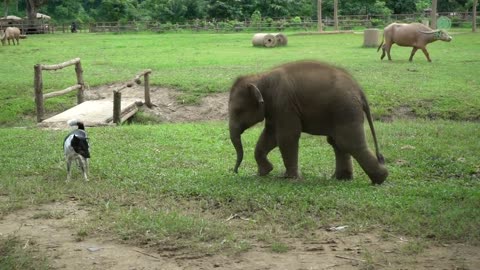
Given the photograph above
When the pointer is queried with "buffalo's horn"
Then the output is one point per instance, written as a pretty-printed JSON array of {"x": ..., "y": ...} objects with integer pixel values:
[{"x": 429, "y": 32}]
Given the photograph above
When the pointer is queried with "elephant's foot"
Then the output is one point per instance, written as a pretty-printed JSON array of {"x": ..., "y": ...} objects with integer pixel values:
[
  {"x": 379, "y": 177},
  {"x": 264, "y": 170},
  {"x": 292, "y": 174},
  {"x": 343, "y": 175}
]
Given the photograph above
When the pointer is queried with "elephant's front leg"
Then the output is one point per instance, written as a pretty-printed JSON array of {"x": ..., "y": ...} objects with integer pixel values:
[
  {"x": 265, "y": 144},
  {"x": 343, "y": 162},
  {"x": 288, "y": 144}
]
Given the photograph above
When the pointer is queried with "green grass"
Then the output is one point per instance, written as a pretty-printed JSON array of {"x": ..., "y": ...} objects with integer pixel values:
[
  {"x": 174, "y": 181},
  {"x": 14, "y": 255},
  {"x": 171, "y": 185},
  {"x": 202, "y": 63}
]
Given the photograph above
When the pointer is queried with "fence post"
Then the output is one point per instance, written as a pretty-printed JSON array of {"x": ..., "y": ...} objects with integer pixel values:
[
  {"x": 38, "y": 86},
  {"x": 81, "y": 91},
  {"x": 148, "y": 101},
  {"x": 117, "y": 103}
]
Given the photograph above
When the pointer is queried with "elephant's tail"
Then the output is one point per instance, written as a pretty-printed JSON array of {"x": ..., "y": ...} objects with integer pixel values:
[
  {"x": 366, "y": 109},
  {"x": 379, "y": 46}
]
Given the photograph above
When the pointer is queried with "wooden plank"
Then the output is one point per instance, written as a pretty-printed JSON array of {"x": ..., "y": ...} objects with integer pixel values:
[
  {"x": 62, "y": 65},
  {"x": 61, "y": 92}
]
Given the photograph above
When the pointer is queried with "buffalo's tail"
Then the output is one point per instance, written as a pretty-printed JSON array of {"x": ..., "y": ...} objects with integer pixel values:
[{"x": 383, "y": 38}]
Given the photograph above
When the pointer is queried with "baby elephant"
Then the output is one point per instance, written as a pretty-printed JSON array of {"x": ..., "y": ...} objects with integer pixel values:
[
  {"x": 305, "y": 96},
  {"x": 10, "y": 33}
]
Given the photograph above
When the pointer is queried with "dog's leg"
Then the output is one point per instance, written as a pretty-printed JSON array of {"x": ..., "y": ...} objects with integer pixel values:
[
  {"x": 84, "y": 166},
  {"x": 69, "y": 168}
]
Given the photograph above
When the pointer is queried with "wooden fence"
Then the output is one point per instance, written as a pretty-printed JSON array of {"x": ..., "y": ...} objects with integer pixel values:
[
  {"x": 345, "y": 22},
  {"x": 117, "y": 96},
  {"x": 38, "y": 85}
]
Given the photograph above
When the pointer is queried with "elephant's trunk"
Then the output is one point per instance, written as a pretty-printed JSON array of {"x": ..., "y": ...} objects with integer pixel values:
[{"x": 236, "y": 138}]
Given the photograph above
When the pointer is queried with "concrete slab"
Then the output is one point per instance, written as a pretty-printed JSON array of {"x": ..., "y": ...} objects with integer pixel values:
[{"x": 92, "y": 113}]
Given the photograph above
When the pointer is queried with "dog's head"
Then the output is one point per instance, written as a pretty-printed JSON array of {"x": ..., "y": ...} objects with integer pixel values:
[{"x": 80, "y": 143}]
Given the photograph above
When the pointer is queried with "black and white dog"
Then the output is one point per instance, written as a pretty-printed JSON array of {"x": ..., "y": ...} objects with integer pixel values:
[{"x": 76, "y": 147}]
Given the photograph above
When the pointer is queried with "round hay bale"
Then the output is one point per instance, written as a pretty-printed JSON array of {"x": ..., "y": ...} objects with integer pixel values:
[
  {"x": 264, "y": 40},
  {"x": 370, "y": 37},
  {"x": 282, "y": 39}
]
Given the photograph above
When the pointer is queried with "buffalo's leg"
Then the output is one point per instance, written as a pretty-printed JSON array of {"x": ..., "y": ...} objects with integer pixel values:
[
  {"x": 266, "y": 143},
  {"x": 387, "y": 48},
  {"x": 343, "y": 162},
  {"x": 414, "y": 50},
  {"x": 424, "y": 50},
  {"x": 383, "y": 52}
]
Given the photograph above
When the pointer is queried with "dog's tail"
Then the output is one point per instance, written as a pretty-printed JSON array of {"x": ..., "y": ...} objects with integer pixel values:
[{"x": 75, "y": 122}]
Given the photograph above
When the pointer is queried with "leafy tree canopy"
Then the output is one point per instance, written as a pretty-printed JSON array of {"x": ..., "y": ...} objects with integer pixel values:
[{"x": 185, "y": 10}]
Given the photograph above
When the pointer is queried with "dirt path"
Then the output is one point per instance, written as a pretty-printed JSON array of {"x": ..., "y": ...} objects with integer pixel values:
[
  {"x": 50, "y": 228},
  {"x": 168, "y": 107}
]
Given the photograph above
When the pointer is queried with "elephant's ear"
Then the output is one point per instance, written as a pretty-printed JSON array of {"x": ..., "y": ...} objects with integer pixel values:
[{"x": 252, "y": 87}]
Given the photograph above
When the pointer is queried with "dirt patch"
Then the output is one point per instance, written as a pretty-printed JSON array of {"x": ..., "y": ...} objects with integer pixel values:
[
  {"x": 50, "y": 228},
  {"x": 168, "y": 107}
]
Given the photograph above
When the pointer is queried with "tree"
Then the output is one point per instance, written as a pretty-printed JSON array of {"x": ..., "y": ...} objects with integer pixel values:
[
  {"x": 335, "y": 14},
  {"x": 7, "y": 2},
  {"x": 225, "y": 9},
  {"x": 402, "y": 7},
  {"x": 319, "y": 15},
  {"x": 474, "y": 19},
  {"x": 115, "y": 10},
  {"x": 32, "y": 7},
  {"x": 67, "y": 11},
  {"x": 434, "y": 15}
]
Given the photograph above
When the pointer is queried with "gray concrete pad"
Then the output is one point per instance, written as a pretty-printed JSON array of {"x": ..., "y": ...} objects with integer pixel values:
[{"x": 92, "y": 113}]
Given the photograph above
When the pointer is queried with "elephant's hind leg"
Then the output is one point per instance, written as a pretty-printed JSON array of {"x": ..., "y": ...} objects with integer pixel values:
[
  {"x": 343, "y": 162},
  {"x": 369, "y": 163},
  {"x": 351, "y": 139}
]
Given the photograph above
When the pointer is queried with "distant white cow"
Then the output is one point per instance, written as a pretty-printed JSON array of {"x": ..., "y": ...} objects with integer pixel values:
[{"x": 10, "y": 33}]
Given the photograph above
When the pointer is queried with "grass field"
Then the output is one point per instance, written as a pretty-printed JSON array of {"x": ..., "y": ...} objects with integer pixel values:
[
  {"x": 198, "y": 64},
  {"x": 175, "y": 180}
]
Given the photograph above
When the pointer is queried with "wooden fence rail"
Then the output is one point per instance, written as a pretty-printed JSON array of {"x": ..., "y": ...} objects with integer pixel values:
[
  {"x": 38, "y": 85},
  {"x": 117, "y": 95}
]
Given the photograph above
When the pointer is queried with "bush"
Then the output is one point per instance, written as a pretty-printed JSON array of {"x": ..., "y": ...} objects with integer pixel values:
[
  {"x": 377, "y": 22},
  {"x": 269, "y": 21},
  {"x": 166, "y": 26},
  {"x": 225, "y": 26},
  {"x": 256, "y": 19},
  {"x": 280, "y": 25}
]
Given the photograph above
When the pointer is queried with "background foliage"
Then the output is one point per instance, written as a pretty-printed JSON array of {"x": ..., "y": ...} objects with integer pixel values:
[{"x": 178, "y": 11}]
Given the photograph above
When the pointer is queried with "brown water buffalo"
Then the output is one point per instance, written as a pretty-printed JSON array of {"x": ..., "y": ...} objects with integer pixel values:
[
  {"x": 414, "y": 35},
  {"x": 10, "y": 33}
]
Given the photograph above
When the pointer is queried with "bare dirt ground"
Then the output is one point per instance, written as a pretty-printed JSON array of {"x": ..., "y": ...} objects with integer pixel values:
[
  {"x": 325, "y": 249},
  {"x": 55, "y": 235},
  {"x": 168, "y": 106}
]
